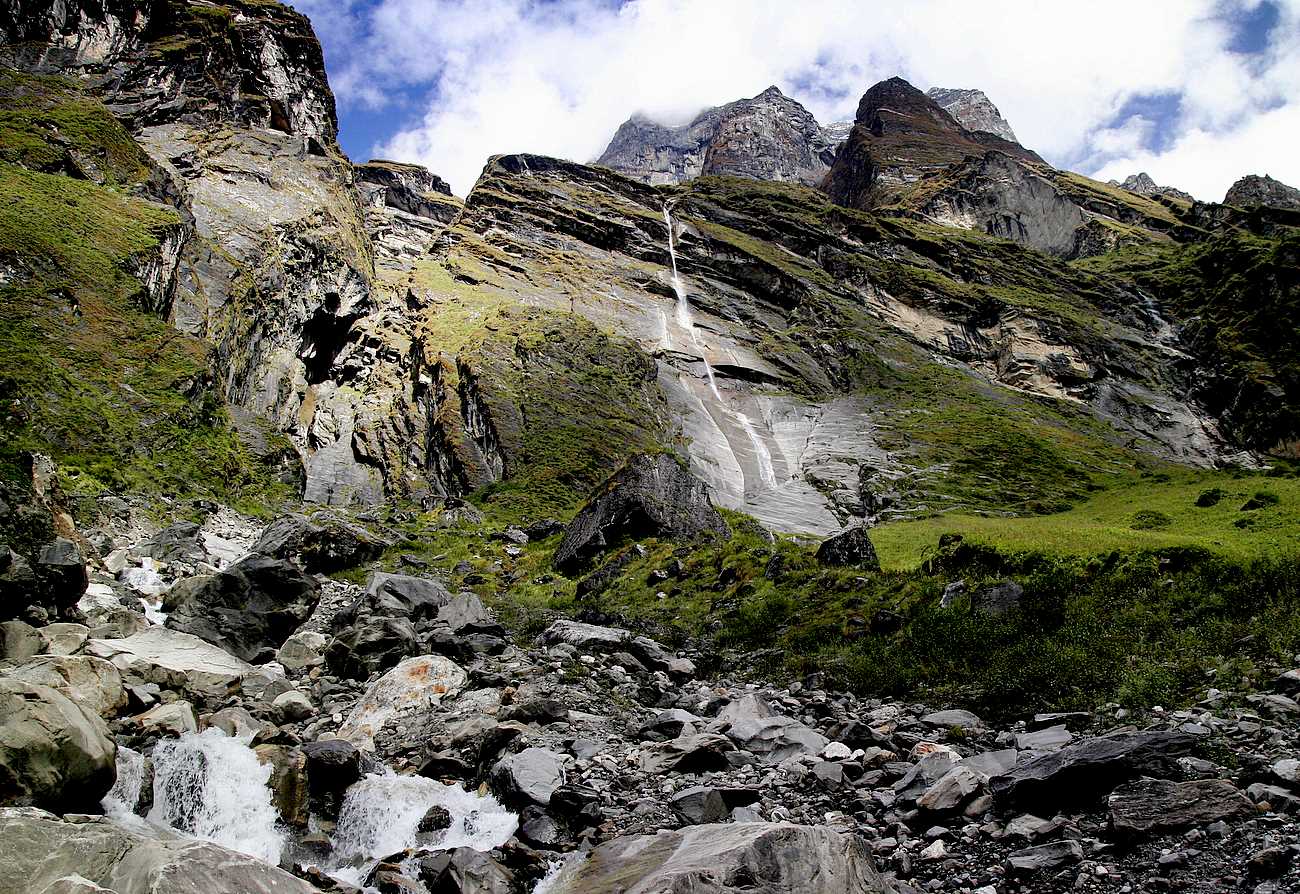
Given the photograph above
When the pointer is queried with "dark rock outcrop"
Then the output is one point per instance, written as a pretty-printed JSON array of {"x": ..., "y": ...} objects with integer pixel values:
[
  {"x": 653, "y": 495},
  {"x": 1088, "y": 769},
  {"x": 851, "y": 548},
  {"x": 249, "y": 609}
]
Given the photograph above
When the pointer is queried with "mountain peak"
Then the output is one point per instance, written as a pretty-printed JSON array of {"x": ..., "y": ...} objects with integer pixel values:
[
  {"x": 973, "y": 110},
  {"x": 766, "y": 137}
]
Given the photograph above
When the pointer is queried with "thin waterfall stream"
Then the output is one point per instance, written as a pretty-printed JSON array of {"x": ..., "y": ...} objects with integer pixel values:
[{"x": 686, "y": 320}]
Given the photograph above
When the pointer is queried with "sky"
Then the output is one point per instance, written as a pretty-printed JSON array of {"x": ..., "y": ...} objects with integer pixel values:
[{"x": 1197, "y": 93}]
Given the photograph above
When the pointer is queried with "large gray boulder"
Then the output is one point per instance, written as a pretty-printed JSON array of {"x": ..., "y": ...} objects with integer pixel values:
[
  {"x": 321, "y": 542},
  {"x": 54, "y": 753},
  {"x": 38, "y": 849},
  {"x": 1087, "y": 770},
  {"x": 751, "y": 723},
  {"x": 377, "y": 630},
  {"x": 90, "y": 682},
  {"x": 653, "y": 495},
  {"x": 531, "y": 776},
  {"x": 753, "y": 858},
  {"x": 249, "y": 609},
  {"x": 1154, "y": 806}
]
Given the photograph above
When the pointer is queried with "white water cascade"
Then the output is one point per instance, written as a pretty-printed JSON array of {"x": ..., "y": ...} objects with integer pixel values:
[
  {"x": 381, "y": 815},
  {"x": 119, "y": 803},
  {"x": 213, "y": 787},
  {"x": 686, "y": 320}
]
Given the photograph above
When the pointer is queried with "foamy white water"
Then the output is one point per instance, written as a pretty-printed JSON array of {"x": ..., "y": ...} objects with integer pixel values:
[
  {"x": 561, "y": 870},
  {"x": 213, "y": 787},
  {"x": 380, "y": 816},
  {"x": 119, "y": 803}
]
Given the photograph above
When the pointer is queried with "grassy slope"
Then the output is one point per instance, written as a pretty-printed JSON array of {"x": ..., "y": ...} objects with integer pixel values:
[{"x": 119, "y": 398}]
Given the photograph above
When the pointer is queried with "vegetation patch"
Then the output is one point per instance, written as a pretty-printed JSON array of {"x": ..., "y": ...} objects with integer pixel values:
[{"x": 120, "y": 398}]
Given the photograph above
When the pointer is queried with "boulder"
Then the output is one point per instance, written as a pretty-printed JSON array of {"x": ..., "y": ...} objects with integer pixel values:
[
  {"x": 698, "y": 753},
  {"x": 1086, "y": 770},
  {"x": 594, "y": 639},
  {"x": 173, "y": 718},
  {"x": 64, "y": 638},
  {"x": 1045, "y": 857},
  {"x": 1153, "y": 806},
  {"x": 998, "y": 599},
  {"x": 850, "y": 548},
  {"x": 54, "y": 753},
  {"x": 464, "y": 870},
  {"x": 702, "y": 804},
  {"x": 332, "y": 766},
  {"x": 18, "y": 583},
  {"x": 322, "y": 542},
  {"x": 753, "y": 858},
  {"x": 179, "y": 541},
  {"x": 19, "y": 641},
  {"x": 288, "y": 782},
  {"x": 415, "y": 687},
  {"x": 174, "y": 660},
  {"x": 378, "y": 629},
  {"x": 531, "y": 776},
  {"x": 249, "y": 609},
  {"x": 652, "y": 495},
  {"x": 40, "y": 849},
  {"x": 752, "y": 724},
  {"x": 90, "y": 682},
  {"x": 302, "y": 650},
  {"x": 61, "y": 566},
  {"x": 371, "y": 645}
]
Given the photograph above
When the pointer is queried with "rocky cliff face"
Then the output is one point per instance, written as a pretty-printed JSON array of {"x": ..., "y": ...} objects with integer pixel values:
[
  {"x": 768, "y": 137},
  {"x": 291, "y": 262},
  {"x": 973, "y": 110},
  {"x": 1254, "y": 190}
]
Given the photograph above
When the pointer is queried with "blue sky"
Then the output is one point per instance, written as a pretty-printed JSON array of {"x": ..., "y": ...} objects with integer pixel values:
[{"x": 1196, "y": 92}]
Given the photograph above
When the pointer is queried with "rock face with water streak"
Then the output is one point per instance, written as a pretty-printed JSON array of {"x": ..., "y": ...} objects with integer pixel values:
[{"x": 767, "y": 137}]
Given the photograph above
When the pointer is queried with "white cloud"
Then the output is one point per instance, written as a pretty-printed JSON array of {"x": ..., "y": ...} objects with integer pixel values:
[{"x": 558, "y": 78}]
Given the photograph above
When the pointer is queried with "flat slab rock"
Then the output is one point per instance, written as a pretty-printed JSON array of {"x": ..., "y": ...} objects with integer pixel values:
[
  {"x": 1154, "y": 806},
  {"x": 753, "y": 858},
  {"x": 38, "y": 849},
  {"x": 173, "y": 659}
]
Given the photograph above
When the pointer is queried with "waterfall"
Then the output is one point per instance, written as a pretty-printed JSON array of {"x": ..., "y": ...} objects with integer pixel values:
[
  {"x": 763, "y": 456},
  {"x": 685, "y": 319},
  {"x": 120, "y": 802},
  {"x": 381, "y": 815},
  {"x": 562, "y": 869},
  {"x": 213, "y": 787}
]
